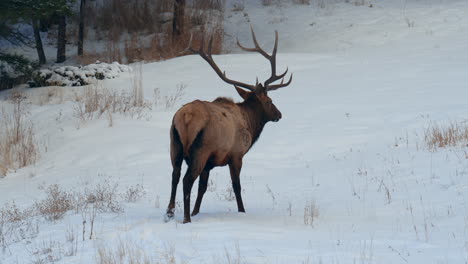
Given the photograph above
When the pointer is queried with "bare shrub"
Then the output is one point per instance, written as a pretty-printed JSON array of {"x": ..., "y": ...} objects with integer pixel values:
[
  {"x": 227, "y": 194},
  {"x": 18, "y": 144},
  {"x": 97, "y": 100},
  {"x": 172, "y": 99},
  {"x": 104, "y": 197},
  {"x": 134, "y": 193},
  {"x": 311, "y": 212},
  {"x": 56, "y": 204},
  {"x": 16, "y": 224},
  {"x": 123, "y": 253},
  {"x": 442, "y": 136}
]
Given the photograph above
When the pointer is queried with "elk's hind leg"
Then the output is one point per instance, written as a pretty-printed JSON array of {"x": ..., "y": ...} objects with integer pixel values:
[
  {"x": 202, "y": 185},
  {"x": 195, "y": 167},
  {"x": 176, "y": 158},
  {"x": 191, "y": 175}
]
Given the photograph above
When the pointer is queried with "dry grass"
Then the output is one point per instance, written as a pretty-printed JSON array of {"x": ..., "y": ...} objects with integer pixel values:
[
  {"x": 172, "y": 99},
  {"x": 168, "y": 101},
  {"x": 97, "y": 101},
  {"x": 311, "y": 212},
  {"x": 450, "y": 135},
  {"x": 129, "y": 253},
  {"x": 18, "y": 144}
]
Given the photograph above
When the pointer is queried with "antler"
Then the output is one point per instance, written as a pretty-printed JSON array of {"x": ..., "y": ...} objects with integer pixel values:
[
  {"x": 272, "y": 59},
  {"x": 208, "y": 58}
]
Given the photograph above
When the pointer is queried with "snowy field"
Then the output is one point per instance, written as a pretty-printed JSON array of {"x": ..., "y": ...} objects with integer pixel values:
[{"x": 344, "y": 177}]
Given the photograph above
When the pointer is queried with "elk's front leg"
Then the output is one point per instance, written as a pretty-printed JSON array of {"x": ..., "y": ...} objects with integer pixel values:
[{"x": 235, "y": 168}]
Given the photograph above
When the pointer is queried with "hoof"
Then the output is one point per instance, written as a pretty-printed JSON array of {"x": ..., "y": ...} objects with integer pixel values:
[
  {"x": 186, "y": 220},
  {"x": 169, "y": 215},
  {"x": 194, "y": 213}
]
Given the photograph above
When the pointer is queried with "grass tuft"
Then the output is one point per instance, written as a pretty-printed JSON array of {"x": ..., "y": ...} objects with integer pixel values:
[{"x": 443, "y": 136}]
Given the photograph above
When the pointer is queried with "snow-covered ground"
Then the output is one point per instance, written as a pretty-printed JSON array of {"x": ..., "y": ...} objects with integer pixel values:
[{"x": 350, "y": 148}]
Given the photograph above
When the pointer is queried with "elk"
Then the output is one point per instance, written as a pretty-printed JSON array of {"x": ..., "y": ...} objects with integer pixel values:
[{"x": 218, "y": 133}]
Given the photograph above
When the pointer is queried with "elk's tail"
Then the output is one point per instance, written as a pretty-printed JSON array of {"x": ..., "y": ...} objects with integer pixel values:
[{"x": 189, "y": 123}]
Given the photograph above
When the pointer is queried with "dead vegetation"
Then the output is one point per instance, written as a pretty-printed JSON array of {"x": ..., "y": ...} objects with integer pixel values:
[
  {"x": 128, "y": 252},
  {"x": 134, "y": 193},
  {"x": 311, "y": 212},
  {"x": 16, "y": 225},
  {"x": 56, "y": 203},
  {"x": 18, "y": 143},
  {"x": 449, "y": 135},
  {"x": 19, "y": 224},
  {"x": 97, "y": 100},
  {"x": 142, "y": 30}
]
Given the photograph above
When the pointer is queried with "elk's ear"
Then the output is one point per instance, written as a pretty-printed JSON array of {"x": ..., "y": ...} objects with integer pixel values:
[{"x": 243, "y": 93}]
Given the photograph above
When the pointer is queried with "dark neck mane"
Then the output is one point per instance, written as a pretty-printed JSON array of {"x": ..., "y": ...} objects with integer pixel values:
[{"x": 255, "y": 120}]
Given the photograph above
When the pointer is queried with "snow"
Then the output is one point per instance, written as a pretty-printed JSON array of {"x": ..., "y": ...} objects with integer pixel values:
[{"x": 351, "y": 141}]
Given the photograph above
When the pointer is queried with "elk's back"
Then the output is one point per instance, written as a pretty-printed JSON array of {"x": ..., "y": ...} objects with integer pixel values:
[{"x": 219, "y": 126}]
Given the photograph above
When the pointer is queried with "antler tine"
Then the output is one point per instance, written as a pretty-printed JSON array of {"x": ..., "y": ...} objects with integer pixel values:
[
  {"x": 275, "y": 48},
  {"x": 271, "y": 58},
  {"x": 208, "y": 58},
  {"x": 257, "y": 47},
  {"x": 281, "y": 85},
  {"x": 274, "y": 77}
]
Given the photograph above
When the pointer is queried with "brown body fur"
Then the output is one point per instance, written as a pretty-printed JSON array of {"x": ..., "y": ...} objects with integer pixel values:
[{"x": 225, "y": 130}]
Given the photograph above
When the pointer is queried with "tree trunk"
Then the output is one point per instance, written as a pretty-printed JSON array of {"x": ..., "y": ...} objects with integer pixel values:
[
  {"x": 81, "y": 27},
  {"x": 178, "y": 18},
  {"x": 37, "y": 38},
  {"x": 44, "y": 24},
  {"x": 61, "y": 39}
]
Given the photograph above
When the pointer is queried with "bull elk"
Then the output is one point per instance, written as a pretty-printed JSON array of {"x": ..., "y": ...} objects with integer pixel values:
[{"x": 211, "y": 134}]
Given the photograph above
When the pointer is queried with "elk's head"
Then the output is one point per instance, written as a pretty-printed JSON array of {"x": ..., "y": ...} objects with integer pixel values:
[
  {"x": 255, "y": 94},
  {"x": 263, "y": 102}
]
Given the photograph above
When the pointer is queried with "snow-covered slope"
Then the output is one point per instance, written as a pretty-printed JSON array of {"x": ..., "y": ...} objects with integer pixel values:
[{"x": 350, "y": 148}]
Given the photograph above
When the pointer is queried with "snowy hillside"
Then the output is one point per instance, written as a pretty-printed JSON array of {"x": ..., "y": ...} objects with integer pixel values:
[{"x": 344, "y": 177}]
